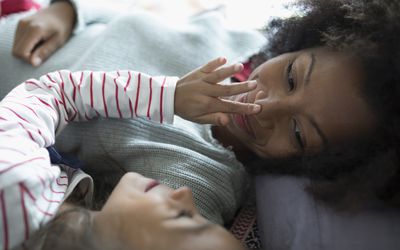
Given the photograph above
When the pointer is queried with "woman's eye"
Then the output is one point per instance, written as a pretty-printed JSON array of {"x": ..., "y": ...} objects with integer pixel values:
[
  {"x": 185, "y": 213},
  {"x": 290, "y": 77},
  {"x": 297, "y": 134}
]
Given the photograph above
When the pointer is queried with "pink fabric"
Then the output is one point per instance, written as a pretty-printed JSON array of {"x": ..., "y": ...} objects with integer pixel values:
[
  {"x": 245, "y": 73},
  {"x": 14, "y": 6}
]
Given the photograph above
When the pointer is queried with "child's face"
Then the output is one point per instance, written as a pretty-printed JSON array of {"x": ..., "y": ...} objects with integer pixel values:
[
  {"x": 309, "y": 100},
  {"x": 142, "y": 214}
]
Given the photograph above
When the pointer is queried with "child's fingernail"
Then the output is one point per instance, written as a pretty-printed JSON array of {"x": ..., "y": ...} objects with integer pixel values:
[
  {"x": 221, "y": 121},
  {"x": 256, "y": 108},
  {"x": 252, "y": 84},
  {"x": 238, "y": 67}
]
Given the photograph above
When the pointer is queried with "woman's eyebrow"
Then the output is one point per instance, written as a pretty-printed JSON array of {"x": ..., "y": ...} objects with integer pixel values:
[{"x": 310, "y": 68}]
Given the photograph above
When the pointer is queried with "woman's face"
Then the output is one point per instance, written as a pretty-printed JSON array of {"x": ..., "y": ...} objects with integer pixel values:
[
  {"x": 309, "y": 100},
  {"x": 142, "y": 214}
]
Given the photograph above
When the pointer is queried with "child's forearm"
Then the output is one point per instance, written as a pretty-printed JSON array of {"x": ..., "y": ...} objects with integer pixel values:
[{"x": 48, "y": 104}]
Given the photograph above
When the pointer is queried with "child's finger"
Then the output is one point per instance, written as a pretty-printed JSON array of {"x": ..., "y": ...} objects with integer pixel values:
[
  {"x": 227, "y": 106},
  {"x": 221, "y": 74},
  {"x": 231, "y": 89},
  {"x": 212, "y": 65},
  {"x": 219, "y": 119}
]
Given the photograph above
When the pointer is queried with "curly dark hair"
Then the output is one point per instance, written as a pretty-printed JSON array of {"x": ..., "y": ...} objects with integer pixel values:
[{"x": 347, "y": 175}]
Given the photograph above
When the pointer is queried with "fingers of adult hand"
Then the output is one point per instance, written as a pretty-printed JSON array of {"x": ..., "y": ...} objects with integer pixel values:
[
  {"x": 218, "y": 118},
  {"x": 228, "y": 106},
  {"x": 26, "y": 44},
  {"x": 213, "y": 65},
  {"x": 223, "y": 73},
  {"x": 42, "y": 52},
  {"x": 231, "y": 89},
  {"x": 20, "y": 31}
]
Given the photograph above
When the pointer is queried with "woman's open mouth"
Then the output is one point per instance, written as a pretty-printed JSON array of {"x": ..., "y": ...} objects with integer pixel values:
[{"x": 242, "y": 122}]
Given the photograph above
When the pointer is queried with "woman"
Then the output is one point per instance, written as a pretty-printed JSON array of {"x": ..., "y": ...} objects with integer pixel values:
[{"x": 349, "y": 133}]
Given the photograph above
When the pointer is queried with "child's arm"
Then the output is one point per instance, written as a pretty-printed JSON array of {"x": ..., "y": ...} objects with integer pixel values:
[
  {"x": 64, "y": 96},
  {"x": 31, "y": 189}
]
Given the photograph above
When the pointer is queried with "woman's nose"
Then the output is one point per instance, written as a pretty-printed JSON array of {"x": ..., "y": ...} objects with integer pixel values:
[{"x": 273, "y": 108}]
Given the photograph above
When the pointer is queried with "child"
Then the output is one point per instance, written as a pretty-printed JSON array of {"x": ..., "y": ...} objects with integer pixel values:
[{"x": 32, "y": 189}]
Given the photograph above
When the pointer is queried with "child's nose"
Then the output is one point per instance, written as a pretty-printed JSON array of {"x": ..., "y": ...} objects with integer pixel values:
[
  {"x": 183, "y": 197},
  {"x": 181, "y": 193}
]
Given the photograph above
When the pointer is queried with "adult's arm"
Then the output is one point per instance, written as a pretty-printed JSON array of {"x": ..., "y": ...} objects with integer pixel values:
[
  {"x": 31, "y": 189},
  {"x": 87, "y": 13},
  {"x": 39, "y": 35}
]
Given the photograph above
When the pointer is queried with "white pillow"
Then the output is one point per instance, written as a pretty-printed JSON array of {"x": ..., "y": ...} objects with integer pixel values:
[{"x": 290, "y": 218}]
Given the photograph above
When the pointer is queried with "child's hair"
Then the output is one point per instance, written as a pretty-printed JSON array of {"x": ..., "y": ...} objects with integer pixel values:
[
  {"x": 70, "y": 229},
  {"x": 368, "y": 30}
]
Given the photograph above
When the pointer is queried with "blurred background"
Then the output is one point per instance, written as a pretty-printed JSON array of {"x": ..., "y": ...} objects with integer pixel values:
[{"x": 238, "y": 13}]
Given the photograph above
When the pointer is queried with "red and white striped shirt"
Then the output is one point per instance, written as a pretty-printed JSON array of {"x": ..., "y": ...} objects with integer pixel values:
[{"x": 31, "y": 189}]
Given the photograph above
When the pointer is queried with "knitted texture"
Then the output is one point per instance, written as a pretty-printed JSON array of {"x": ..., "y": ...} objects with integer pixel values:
[{"x": 180, "y": 155}]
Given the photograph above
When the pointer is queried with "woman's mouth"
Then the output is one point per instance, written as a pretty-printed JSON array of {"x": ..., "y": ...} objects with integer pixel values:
[
  {"x": 151, "y": 185},
  {"x": 241, "y": 121}
]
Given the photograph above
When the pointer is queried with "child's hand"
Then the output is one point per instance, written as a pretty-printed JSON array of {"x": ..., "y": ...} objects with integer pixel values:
[{"x": 198, "y": 94}]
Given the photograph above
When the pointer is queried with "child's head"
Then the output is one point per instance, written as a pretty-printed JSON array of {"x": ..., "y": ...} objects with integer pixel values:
[
  {"x": 139, "y": 214},
  {"x": 144, "y": 214}
]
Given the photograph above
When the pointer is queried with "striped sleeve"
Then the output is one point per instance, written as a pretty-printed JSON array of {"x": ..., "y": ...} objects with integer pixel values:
[{"x": 31, "y": 189}]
